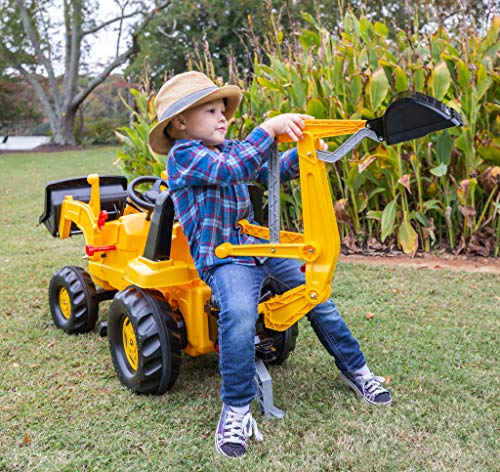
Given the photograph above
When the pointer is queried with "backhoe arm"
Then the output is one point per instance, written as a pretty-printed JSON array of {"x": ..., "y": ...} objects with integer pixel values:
[
  {"x": 410, "y": 115},
  {"x": 318, "y": 246}
]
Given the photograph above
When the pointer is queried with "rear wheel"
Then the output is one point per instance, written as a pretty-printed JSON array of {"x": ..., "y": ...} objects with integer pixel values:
[
  {"x": 144, "y": 341},
  {"x": 73, "y": 300},
  {"x": 283, "y": 342}
]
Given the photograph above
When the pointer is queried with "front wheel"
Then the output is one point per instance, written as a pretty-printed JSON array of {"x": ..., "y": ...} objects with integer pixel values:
[
  {"x": 73, "y": 300},
  {"x": 144, "y": 341}
]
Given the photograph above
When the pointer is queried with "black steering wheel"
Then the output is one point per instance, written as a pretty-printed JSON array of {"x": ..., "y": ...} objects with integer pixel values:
[{"x": 146, "y": 200}]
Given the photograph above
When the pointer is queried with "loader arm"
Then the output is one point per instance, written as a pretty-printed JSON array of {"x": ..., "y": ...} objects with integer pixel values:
[
  {"x": 84, "y": 215},
  {"x": 409, "y": 116}
]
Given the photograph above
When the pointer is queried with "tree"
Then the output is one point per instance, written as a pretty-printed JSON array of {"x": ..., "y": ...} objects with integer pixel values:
[
  {"x": 232, "y": 30},
  {"x": 30, "y": 46}
]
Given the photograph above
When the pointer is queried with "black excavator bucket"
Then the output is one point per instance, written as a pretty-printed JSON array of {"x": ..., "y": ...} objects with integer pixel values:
[{"x": 412, "y": 115}]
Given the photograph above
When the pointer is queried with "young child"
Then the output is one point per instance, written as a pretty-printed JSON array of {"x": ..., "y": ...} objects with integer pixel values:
[{"x": 207, "y": 176}]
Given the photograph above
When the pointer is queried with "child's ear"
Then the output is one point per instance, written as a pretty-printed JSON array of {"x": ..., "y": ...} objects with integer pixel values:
[{"x": 178, "y": 122}]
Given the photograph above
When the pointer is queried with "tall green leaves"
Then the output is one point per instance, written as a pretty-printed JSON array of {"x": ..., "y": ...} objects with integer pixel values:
[
  {"x": 135, "y": 156},
  {"x": 388, "y": 219},
  {"x": 440, "y": 81},
  {"x": 441, "y": 190},
  {"x": 378, "y": 86},
  {"x": 410, "y": 194}
]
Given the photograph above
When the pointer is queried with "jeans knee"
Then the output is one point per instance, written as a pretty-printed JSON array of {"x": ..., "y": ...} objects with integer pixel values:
[{"x": 239, "y": 319}]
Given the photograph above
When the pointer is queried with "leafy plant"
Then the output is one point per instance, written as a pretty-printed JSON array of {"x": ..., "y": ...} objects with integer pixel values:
[
  {"x": 421, "y": 194},
  {"x": 135, "y": 155},
  {"x": 441, "y": 190}
]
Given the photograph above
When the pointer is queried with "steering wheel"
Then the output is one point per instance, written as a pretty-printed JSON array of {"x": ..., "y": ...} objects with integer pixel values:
[{"x": 146, "y": 200}]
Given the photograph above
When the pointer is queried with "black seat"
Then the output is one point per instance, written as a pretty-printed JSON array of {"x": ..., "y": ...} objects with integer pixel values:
[
  {"x": 159, "y": 242},
  {"x": 257, "y": 200}
]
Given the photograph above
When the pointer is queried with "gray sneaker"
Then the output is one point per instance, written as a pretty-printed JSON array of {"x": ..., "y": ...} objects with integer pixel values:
[
  {"x": 233, "y": 431},
  {"x": 368, "y": 387}
]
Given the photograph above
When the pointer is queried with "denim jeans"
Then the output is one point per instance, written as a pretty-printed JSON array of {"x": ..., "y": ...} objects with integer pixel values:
[{"x": 236, "y": 289}]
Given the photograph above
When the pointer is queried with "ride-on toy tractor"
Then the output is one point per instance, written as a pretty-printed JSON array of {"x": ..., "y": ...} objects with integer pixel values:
[{"x": 139, "y": 257}]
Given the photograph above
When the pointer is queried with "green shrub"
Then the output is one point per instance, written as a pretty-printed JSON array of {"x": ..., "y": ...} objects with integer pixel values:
[
  {"x": 101, "y": 131},
  {"x": 441, "y": 190},
  {"x": 135, "y": 156}
]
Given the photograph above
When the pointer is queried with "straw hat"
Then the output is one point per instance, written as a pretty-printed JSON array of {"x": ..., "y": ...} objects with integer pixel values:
[{"x": 184, "y": 91}]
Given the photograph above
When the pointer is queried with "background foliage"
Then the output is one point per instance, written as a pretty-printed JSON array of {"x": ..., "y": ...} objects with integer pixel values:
[
  {"x": 237, "y": 30},
  {"x": 442, "y": 190},
  {"x": 21, "y": 113}
]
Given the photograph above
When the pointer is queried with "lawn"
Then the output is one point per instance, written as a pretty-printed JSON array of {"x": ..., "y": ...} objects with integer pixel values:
[{"x": 434, "y": 333}]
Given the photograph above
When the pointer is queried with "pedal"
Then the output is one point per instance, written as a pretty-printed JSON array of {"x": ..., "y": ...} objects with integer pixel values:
[
  {"x": 103, "y": 329},
  {"x": 265, "y": 350}
]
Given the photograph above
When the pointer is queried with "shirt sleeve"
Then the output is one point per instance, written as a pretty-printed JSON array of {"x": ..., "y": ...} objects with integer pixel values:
[
  {"x": 289, "y": 167},
  {"x": 190, "y": 163}
]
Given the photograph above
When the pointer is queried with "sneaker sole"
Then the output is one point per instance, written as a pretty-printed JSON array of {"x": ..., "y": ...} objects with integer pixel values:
[{"x": 352, "y": 386}]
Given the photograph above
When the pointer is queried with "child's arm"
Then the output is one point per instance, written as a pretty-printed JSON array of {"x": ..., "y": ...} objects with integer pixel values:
[
  {"x": 289, "y": 167},
  {"x": 193, "y": 164},
  {"x": 289, "y": 164},
  {"x": 291, "y": 124}
]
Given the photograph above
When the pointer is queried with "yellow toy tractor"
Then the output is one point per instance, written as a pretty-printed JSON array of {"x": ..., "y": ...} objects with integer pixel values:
[{"x": 139, "y": 257}]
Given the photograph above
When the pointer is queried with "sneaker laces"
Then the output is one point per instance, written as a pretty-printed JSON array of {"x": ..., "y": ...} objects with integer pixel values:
[
  {"x": 238, "y": 428},
  {"x": 372, "y": 384}
]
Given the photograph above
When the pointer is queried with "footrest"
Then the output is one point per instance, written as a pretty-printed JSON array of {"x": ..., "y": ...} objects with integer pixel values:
[{"x": 265, "y": 392}]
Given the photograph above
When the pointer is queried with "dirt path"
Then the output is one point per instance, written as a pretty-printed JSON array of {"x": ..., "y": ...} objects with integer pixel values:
[{"x": 430, "y": 261}]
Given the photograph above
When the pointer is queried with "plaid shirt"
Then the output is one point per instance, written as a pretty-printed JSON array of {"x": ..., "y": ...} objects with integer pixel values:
[{"x": 210, "y": 193}]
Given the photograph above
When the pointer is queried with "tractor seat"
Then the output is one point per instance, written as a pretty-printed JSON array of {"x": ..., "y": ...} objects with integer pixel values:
[{"x": 159, "y": 241}]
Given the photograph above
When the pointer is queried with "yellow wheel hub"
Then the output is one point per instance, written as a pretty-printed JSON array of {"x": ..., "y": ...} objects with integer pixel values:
[
  {"x": 65, "y": 303},
  {"x": 130, "y": 343}
]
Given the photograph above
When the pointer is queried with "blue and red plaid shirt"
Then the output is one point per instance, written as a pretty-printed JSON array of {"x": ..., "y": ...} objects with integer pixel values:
[{"x": 210, "y": 192}]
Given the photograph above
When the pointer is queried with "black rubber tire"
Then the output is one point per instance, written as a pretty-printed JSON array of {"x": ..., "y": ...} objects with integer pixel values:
[
  {"x": 284, "y": 343},
  {"x": 73, "y": 300},
  {"x": 158, "y": 343}
]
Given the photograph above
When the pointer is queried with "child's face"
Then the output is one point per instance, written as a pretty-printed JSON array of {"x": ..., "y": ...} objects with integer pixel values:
[{"x": 206, "y": 122}]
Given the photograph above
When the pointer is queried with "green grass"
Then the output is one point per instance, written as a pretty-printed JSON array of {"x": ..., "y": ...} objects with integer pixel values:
[{"x": 62, "y": 408}]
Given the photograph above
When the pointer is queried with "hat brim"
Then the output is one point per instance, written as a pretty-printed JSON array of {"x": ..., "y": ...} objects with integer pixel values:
[{"x": 161, "y": 144}]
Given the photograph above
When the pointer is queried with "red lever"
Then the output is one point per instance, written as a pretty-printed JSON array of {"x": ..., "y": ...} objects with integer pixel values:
[
  {"x": 91, "y": 250},
  {"x": 103, "y": 216}
]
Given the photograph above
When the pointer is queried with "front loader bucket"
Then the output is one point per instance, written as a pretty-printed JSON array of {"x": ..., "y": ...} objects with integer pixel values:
[
  {"x": 412, "y": 115},
  {"x": 113, "y": 191}
]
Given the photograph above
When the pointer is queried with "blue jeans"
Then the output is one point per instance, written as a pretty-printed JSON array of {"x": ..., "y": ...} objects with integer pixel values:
[{"x": 236, "y": 289}]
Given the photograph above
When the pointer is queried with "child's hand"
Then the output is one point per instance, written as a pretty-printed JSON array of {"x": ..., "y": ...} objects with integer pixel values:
[{"x": 291, "y": 124}]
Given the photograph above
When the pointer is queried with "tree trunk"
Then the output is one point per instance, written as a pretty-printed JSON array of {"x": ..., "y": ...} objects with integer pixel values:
[
  {"x": 81, "y": 125},
  {"x": 63, "y": 132},
  {"x": 62, "y": 100}
]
